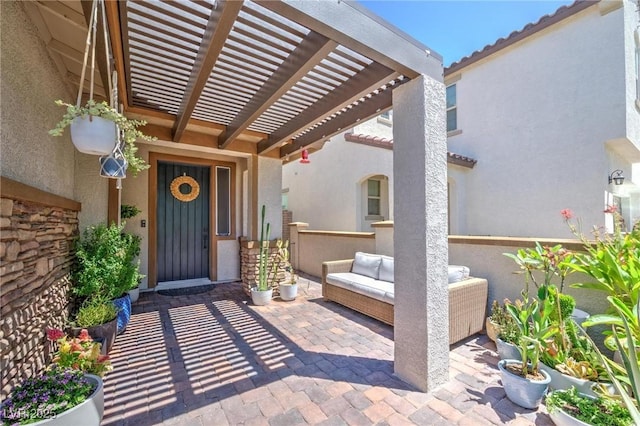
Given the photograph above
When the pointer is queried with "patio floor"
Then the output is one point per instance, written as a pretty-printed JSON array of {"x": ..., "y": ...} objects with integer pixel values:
[{"x": 215, "y": 359}]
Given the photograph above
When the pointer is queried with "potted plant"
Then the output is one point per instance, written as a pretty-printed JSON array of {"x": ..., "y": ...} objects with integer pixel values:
[
  {"x": 57, "y": 397},
  {"x": 99, "y": 317},
  {"x": 105, "y": 267},
  {"x": 570, "y": 408},
  {"x": 93, "y": 129},
  {"x": 289, "y": 287},
  {"x": 507, "y": 332},
  {"x": 523, "y": 382},
  {"x": 80, "y": 353}
]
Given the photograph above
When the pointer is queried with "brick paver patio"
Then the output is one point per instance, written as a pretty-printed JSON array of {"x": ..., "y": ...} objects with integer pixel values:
[{"x": 215, "y": 359}]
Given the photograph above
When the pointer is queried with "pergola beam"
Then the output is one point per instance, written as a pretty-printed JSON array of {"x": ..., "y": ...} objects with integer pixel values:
[
  {"x": 218, "y": 28},
  {"x": 309, "y": 53},
  {"x": 354, "y": 27},
  {"x": 364, "y": 110},
  {"x": 374, "y": 75}
]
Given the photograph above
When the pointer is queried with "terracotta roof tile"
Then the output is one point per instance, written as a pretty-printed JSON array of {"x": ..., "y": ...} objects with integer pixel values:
[
  {"x": 529, "y": 29},
  {"x": 379, "y": 142}
]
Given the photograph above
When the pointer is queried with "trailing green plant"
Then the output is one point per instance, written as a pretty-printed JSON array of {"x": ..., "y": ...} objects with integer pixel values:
[
  {"x": 105, "y": 262},
  {"x": 95, "y": 311},
  {"x": 127, "y": 211},
  {"x": 129, "y": 128},
  {"x": 600, "y": 411}
]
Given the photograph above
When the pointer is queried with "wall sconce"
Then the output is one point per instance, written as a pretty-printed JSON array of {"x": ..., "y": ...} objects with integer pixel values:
[
  {"x": 305, "y": 157},
  {"x": 618, "y": 178}
]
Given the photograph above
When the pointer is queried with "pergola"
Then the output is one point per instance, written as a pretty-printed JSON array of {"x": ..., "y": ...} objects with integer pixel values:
[{"x": 271, "y": 78}]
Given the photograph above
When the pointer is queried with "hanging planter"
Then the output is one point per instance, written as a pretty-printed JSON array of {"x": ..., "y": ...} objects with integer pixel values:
[
  {"x": 93, "y": 135},
  {"x": 95, "y": 125}
]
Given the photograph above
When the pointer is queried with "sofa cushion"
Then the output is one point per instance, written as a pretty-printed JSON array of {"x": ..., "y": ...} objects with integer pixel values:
[
  {"x": 386, "y": 269},
  {"x": 458, "y": 273},
  {"x": 367, "y": 286},
  {"x": 367, "y": 265}
]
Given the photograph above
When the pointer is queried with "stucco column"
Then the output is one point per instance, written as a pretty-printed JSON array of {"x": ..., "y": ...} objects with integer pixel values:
[
  {"x": 294, "y": 246},
  {"x": 421, "y": 330}
]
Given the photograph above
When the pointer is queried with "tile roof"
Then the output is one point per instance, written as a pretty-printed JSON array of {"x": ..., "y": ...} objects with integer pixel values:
[
  {"x": 385, "y": 143},
  {"x": 528, "y": 30}
]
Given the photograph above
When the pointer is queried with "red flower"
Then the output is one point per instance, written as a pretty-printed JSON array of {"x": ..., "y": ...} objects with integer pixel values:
[
  {"x": 611, "y": 209},
  {"x": 54, "y": 334},
  {"x": 84, "y": 335},
  {"x": 566, "y": 213}
]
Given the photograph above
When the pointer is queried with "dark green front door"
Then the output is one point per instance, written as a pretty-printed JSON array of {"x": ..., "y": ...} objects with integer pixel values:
[{"x": 182, "y": 222}]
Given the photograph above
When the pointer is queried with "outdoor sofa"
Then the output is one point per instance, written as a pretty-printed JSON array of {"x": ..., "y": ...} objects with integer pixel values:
[{"x": 365, "y": 284}]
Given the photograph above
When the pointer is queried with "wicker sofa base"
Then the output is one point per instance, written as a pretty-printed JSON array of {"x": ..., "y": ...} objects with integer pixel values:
[{"x": 467, "y": 302}]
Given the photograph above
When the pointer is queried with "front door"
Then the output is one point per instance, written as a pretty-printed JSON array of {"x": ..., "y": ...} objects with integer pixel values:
[{"x": 182, "y": 222}]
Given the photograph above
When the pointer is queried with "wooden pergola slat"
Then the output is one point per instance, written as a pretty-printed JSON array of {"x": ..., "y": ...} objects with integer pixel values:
[
  {"x": 218, "y": 28},
  {"x": 305, "y": 57},
  {"x": 375, "y": 75}
]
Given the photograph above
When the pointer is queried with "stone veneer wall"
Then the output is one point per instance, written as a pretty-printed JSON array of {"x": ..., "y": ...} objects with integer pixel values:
[
  {"x": 249, "y": 265},
  {"x": 37, "y": 233},
  {"x": 287, "y": 218}
]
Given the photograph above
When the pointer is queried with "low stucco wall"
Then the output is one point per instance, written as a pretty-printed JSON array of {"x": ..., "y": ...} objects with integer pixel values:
[
  {"x": 316, "y": 247},
  {"x": 485, "y": 258}
]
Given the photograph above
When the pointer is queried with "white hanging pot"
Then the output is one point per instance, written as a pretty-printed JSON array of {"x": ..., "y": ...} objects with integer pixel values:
[
  {"x": 113, "y": 167},
  {"x": 93, "y": 135}
]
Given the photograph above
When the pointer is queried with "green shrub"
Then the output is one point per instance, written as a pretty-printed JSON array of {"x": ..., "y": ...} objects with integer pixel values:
[{"x": 105, "y": 265}]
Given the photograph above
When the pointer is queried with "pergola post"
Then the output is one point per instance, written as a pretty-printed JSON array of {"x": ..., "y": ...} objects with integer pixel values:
[{"x": 421, "y": 330}]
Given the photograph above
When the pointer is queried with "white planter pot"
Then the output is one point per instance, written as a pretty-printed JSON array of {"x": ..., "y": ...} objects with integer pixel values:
[
  {"x": 93, "y": 135},
  {"x": 561, "y": 418},
  {"x": 261, "y": 297},
  {"x": 507, "y": 350},
  {"x": 88, "y": 413},
  {"x": 524, "y": 392},
  {"x": 288, "y": 291},
  {"x": 134, "y": 294},
  {"x": 564, "y": 381}
]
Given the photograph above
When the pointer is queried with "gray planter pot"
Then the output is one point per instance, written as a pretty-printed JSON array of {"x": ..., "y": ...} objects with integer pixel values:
[
  {"x": 564, "y": 381},
  {"x": 134, "y": 294},
  {"x": 261, "y": 297},
  {"x": 507, "y": 350},
  {"x": 524, "y": 392},
  {"x": 89, "y": 413},
  {"x": 288, "y": 291}
]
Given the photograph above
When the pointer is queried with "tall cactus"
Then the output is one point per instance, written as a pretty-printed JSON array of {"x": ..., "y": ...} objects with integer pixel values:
[{"x": 263, "y": 257}]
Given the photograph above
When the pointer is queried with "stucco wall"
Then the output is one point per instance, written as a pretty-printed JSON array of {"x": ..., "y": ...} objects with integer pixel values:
[
  {"x": 537, "y": 123},
  {"x": 269, "y": 193},
  {"x": 326, "y": 193},
  {"x": 316, "y": 247},
  {"x": 30, "y": 83}
]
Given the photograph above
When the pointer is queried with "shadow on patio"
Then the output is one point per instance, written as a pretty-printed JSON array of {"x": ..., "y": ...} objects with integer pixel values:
[{"x": 214, "y": 359}]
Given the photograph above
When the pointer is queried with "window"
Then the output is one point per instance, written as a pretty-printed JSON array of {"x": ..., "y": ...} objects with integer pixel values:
[
  {"x": 452, "y": 109},
  {"x": 373, "y": 197},
  {"x": 223, "y": 201}
]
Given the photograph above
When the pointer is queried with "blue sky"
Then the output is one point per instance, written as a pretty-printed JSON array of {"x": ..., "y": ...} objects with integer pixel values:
[{"x": 456, "y": 28}]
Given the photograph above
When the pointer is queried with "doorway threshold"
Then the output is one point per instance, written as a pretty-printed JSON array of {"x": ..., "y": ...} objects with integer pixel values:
[{"x": 196, "y": 282}]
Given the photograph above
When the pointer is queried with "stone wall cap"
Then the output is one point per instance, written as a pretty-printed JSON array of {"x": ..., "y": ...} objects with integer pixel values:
[{"x": 383, "y": 224}]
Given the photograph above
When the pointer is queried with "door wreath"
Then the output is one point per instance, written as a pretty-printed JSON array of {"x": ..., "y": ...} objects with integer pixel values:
[{"x": 185, "y": 180}]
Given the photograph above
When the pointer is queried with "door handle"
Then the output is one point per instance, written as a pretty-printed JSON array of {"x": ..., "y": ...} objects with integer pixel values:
[{"x": 205, "y": 240}]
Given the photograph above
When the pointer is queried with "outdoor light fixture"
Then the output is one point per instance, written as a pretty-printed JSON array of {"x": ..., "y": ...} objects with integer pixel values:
[
  {"x": 305, "y": 157},
  {"x": 618, "y": 178}
]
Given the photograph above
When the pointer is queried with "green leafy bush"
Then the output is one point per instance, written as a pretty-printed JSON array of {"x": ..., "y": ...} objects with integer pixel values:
[
  {"x": 105, "y": 265},
  {"x": 128, "y": 211}
]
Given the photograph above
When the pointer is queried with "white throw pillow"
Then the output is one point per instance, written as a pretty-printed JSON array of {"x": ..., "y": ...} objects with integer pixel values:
[
  {"x": 386, "y": 269},
  {"x": 367, "y": 265},
  {"x": 458, "y": 273}
]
